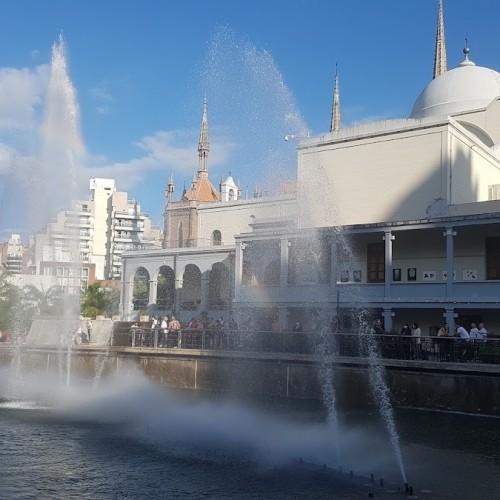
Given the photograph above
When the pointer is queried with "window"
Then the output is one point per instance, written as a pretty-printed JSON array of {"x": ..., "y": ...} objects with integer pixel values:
[
  {"x": 216, "y": 238},
  {"x": 493, "y": 258},
  {"x": 231, "y": 194},
  {"x": 375, "y": 262}
]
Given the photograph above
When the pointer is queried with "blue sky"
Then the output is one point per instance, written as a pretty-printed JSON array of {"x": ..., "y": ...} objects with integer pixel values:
[{"x": 140, "y": 69}]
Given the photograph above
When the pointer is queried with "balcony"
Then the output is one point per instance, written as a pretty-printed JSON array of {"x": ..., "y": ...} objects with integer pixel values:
[{"x": 416, "y": 294}]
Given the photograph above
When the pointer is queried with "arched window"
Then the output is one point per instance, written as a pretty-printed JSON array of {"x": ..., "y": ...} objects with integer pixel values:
[
  {"x": 141, "y": 289},
  {"x": 216, "y": 238},
  {"x": 165, "y": 288},
  {"x": 191, "y": 287},
  {"x": 231, "y": 195},
  {"x": 180, "y": 236}
]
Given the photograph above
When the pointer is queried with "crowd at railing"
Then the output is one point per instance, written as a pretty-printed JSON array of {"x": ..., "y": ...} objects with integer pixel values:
[{"x": 390, "y": 346}]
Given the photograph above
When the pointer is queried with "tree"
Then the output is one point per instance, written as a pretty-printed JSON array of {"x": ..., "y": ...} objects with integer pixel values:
[
  {"x": 10, "y": 303},
  {"x": 47, "y": 303},
  {"x": 97, "y": 301}
]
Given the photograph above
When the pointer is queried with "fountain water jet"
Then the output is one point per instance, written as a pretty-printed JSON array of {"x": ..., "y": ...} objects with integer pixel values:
[{"x": 53, "y": 184}]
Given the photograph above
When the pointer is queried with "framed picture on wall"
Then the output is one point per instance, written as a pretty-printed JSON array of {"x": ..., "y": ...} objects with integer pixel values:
[
  {"x": 411, "y": 274},
  {"x": 356, "y": 276},
  {"x": 396, "y": 275},
  {"x": 344, "y": 276}
]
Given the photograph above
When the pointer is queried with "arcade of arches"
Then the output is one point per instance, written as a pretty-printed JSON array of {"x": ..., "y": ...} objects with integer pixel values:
[{"x": 198, "y": 292}]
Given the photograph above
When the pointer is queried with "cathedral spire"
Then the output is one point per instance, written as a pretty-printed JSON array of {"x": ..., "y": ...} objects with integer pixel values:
[
  {"x": 440, "y": 52},
  {"x": 335, "y": 121},
  {"x": 203, "y": 146},
  {"x": 170, "y": 188}
]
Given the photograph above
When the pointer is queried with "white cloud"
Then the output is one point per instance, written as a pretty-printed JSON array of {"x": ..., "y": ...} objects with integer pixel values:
[
  {"x": 101, "y": 93},
  {"x": 166, "y": 151},
  {"x": 21, "y": 95}
]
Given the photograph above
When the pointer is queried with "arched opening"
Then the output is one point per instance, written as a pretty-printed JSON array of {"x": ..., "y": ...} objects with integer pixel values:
[
  {"x": 141, "y": 289},
  {"x": 216, "y": 238},
  {"x": 231, "y": 195},
  {"x": 165, "y": 289},
  {"x": 191, "y": 288},
  {"x": 219, "y": 287}
]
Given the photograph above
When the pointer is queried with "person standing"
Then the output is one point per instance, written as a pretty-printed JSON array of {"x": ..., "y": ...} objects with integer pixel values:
[
  {"x": 163, "y": 332},
  {"x": 464, "y": 353},
  {"x": 174, "y": 326},
  {"x": 474, "y": 332},
  {"x": 462, "y": 333},
  {"x": 416, "y": 333},
  {"x": 482, "y": 332},
  {"x": 89, "y": 330}
]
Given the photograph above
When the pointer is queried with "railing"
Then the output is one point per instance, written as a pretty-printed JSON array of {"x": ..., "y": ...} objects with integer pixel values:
[{"x": 437, "y": 349}]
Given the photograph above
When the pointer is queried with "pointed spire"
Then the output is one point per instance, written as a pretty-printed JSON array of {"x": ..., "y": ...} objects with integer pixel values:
[
  {"x": 170, "y": 188},
  {"x": 335, "y": 121},
  {"x": 440, "y": 65},
  {"x": 194, "y": 180},
  {"x": 203, "y": 146}
]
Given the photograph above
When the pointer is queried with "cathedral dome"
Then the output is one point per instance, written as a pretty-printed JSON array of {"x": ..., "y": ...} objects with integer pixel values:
[{"x": 465, "y": 88}]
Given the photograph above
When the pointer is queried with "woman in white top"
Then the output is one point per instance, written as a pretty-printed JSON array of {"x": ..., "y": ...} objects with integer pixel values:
[{"x": 416, "y": 332}]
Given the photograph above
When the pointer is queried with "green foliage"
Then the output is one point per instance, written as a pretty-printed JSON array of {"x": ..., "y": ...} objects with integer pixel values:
[
  {"x": 97, "y": 301},
  {"x": 10, "y": 303}
]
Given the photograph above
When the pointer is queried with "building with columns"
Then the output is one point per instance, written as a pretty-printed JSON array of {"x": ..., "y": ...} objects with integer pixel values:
[{"x": 399, "y": 218}]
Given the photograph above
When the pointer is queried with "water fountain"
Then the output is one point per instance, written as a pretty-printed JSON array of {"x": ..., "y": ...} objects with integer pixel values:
[{"x": 150, "y": 415}]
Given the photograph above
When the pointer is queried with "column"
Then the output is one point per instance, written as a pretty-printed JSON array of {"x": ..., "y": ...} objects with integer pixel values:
[
  {"x": 388, "y": 238},
  {"x": 153, "y": 284},
  {"x": 283, "y": 318},
  {"x": 284, "y": 245},
  {"x": 449, "y": 234},
  {"x": 128, "y": 292},
  {"x": 388, "y": 319},
  {"x": 238, "y": 269},
  {"x": 178, "y": 271},
  {"x": 204, "y": 290},
  {"x": 333, "y": 271},
  {"x": 449, "y": 317}
]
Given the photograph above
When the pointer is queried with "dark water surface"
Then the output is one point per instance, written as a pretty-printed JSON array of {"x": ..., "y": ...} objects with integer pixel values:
[{"x": 128, "y": 448}]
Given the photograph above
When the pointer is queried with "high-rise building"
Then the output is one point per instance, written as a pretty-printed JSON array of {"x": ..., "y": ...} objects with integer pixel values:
[{"x": 94, "y": 232}]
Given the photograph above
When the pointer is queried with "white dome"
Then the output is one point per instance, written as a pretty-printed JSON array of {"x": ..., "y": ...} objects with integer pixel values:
[{"x": 465, "y": 88}]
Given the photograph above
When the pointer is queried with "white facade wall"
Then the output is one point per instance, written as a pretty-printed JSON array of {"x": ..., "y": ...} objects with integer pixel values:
[
  {"x": 395, "y": 176},
  {"x": 474, "y": 168},
  {"x": 101, "y": 194},
  {"x": 234, "y": 218}
]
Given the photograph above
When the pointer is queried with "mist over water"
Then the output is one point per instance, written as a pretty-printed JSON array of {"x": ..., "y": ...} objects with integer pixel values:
[{"x": 210, "y": 430}]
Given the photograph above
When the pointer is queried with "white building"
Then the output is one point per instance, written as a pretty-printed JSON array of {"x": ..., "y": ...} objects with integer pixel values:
[
  {"x": 399, "y": 217},
  {"x": 92, "y": 235}
]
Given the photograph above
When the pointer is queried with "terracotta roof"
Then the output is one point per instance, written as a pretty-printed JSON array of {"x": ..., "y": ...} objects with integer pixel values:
[{"x": 203, "y": 191}]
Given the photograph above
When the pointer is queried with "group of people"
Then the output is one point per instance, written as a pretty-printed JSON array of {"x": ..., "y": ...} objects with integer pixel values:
[
  {"x": 477, "y": 333},
  {"x": 166, "y": 326},
  {"x": 83, "y": 333}
]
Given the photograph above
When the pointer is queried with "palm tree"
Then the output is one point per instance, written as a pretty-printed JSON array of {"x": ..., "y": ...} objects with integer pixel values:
[{"x": 46, "y": 303}]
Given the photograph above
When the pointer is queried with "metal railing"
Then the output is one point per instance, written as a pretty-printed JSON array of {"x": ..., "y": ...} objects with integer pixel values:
[{"x": 437, "y": 349}]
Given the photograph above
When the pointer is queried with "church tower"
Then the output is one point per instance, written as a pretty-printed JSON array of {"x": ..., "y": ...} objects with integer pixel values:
[{"x": 181, "y": 217}]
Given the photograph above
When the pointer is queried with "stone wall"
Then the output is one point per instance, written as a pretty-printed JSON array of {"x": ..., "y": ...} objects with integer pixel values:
[{"x": 424, "y": 385}]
